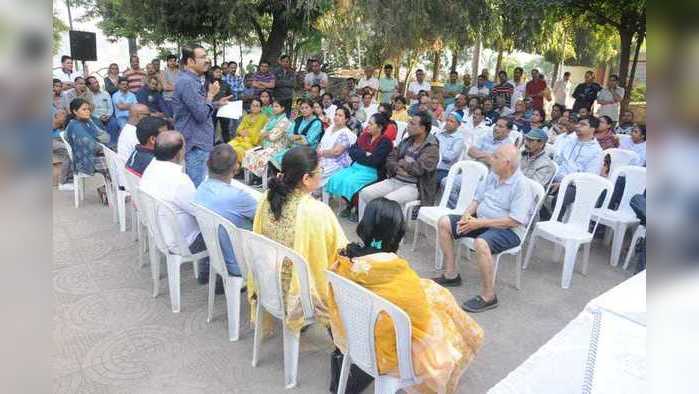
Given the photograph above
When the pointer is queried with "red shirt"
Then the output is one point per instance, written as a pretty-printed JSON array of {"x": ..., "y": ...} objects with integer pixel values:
[{"x": 536, "y": 87}]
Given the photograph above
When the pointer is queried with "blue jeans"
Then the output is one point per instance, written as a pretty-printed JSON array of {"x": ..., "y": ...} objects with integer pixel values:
[{"x": 195, "y": 164}]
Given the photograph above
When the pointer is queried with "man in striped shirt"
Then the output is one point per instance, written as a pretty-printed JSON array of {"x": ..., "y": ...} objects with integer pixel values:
[{"x": 135, "y": 75}]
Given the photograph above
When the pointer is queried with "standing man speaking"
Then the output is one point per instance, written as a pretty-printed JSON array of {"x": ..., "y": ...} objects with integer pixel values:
[{"x": 193, "y": 108}]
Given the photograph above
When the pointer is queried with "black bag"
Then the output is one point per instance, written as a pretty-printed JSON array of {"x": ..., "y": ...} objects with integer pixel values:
[{"x": 357, "y": 381}]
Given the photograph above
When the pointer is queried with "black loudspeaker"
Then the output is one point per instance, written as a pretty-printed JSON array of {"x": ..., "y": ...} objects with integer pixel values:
[{"x": 83, "y": 45}]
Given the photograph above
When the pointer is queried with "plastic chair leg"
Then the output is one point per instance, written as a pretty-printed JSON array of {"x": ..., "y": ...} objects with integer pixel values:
[
  {"x": 173, "y": 279},
  {"x": 571, "y": 251},
  {"x": 121, "y": 210},
  {"x": 437, "y": 252},
  {"x": 76, "y": 190},
  {"x": 144, "y": 244},
  {"x": 135, "y": 222},
  {"x": 518, "y": 271},
  {"x": 416, "y": 231},
  {"x": 291, "y": 357},
  {"x": 155, "y": 269},
  {"x": 617, "y": 242},
  {"x": 557, "y": 252},
  {"x": 344, "y": 374},
  {"x": 232, "y": 291},
  {"x": 586, "y": 257},
  {"x": 212, "y": 295},
  {"x": 257, "y": 339},
  {"x": 386, "y": 384},
  {"x": 608, "y": 234},
  {"x": 195, "y": 268},
  {"x": 530, "y": 249}
]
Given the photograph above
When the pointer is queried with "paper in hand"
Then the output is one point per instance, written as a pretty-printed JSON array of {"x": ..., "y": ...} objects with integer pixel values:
[{"x": 232, "y": 110}]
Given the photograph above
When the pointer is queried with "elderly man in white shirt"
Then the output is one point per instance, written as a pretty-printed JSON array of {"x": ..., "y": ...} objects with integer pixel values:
[
  {"x": 563, "y": 89},
  {"x": 127, "y": 137},
  {"x": 416, "y": 86},
  {"x": 165, "y": 179}
]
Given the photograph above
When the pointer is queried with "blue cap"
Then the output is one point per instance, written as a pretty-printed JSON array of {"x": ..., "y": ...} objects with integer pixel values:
[
  {"x": 456, "y": 116},
  {"x": 537, "y": 134}
]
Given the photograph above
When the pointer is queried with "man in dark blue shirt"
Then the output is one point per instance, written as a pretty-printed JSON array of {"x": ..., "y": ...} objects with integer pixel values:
[{"x": 147, "y": 132}]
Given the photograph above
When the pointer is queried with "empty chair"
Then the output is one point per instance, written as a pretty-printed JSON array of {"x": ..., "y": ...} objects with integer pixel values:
[
  {"x": 574, "y": 231},
  {"x": 619, "y": 158},
  {"x": 117, "y": 168},
  {"x": 79, "y": 178},
  {"x": 359, "y": 310},
  {"x": 161, "y": 217},
  {"x": 266, "y": 258},
  {"x": 621, "y": 219},
  {"x": 468, "y": 174},
  {"x": 210, "y": 224},
  {"x": 538, "y": 191},
  {"x": 138, "y": 217}
]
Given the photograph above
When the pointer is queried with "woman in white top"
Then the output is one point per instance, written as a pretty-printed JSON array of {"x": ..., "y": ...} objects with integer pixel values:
[
  {"x": 635, "y": 142},
  {"x": 333, "y": 148}
]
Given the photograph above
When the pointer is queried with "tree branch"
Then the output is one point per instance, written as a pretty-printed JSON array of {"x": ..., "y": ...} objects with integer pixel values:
[
  {"x": 258, "y": 30},
  {"x": 583, "y": 7}
]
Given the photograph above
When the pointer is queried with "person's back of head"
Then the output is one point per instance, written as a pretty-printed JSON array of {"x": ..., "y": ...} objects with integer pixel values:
[
  {"x": 148, "y": 127},
  {"x": 425, "y": 120},
  {"x": 296, "y": 164},
  {"x": 168, "y": 146},
  {"x": 383, "y": 225},
  {"x": 222, "y": 161}
]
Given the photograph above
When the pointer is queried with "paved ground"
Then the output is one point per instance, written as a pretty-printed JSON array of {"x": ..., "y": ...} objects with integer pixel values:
[{"x": 110, "y": 335}]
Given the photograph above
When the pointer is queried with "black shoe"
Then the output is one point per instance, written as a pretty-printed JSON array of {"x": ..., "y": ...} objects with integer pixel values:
[
  {"x": 478, "y": 304},
  {"x": 447, "y": 282},
  {"x": 346, "y": 213}
]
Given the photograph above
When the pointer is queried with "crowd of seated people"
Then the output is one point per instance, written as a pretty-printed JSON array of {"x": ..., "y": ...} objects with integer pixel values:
[{"x": 369, "y": 148}]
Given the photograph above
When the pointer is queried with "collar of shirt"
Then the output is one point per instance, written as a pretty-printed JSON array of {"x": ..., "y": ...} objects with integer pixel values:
[
  {"x": 509, "y": 180},
  {"x": 530, "y": 157}
]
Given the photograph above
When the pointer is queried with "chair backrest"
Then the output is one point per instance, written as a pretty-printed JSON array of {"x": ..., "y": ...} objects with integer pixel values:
[
  {"x": 400, "y": 131},
  {"x": 556, "y": 168},
  {"x": 161, "y": 218},
  {"x": 469, "y": 173},
  {"x": 619, "y": 158},
  {"x": 68, "y": 147},
  {"x": 539, "y": 197},
  {"x": 265, "y": 258},
  {"x": 516, "y": 136},
  {"x": 212, "y": 226},
  {"x": 359, "y": 310},
  {"x": 131, "y": 182},
  {"x": 588, "y": 188},
  {"x": 115, "y": 166},
  {"x": 635, "y": 183}
]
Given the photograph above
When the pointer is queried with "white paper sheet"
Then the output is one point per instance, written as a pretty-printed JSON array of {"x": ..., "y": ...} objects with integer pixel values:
[{"x": 232, "y": 110}]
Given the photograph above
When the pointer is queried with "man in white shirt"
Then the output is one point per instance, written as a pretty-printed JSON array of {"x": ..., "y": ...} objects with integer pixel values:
[
  {"x": 609, "y": 98},
  {"x": 127, "y": 137},
  {"x": 369, "y": 81},
  {"x": 165, "y": 179},
  {"x": 315, "y": 77},
  {"x": 416, "y": 86},
  {"x": 66, "y": 73},
  {"x": 520, "y": 85},
  {"x": 562, "y": 89},
  {"x": 475, "y": 128},
  {"x": 368, "y": 105}
]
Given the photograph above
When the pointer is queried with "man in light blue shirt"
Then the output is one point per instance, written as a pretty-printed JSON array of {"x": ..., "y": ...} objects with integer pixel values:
[
  {"x": 451, "y": 146},
  {"x": 217, "y": 194},
  {"x": 104, "y": 108},
  {"x": 496, "y": 219},
  {"x": 123, "y": 99}
]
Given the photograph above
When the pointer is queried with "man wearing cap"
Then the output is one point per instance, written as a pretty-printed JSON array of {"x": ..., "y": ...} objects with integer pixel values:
[
  {"x": 451, "y": 145},
  {"x": 535, "y": 163}
]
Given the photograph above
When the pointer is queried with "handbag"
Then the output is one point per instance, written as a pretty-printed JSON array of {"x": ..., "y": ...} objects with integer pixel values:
[{"x": 357, "y": 381}]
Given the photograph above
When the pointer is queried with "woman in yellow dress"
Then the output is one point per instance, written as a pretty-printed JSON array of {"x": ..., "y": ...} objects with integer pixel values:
[
  {"x": 444, "y": 338},
  {"x": 400, "y": 112},
  {"x": 248, "y": 133},
  {"x": 289, "y": 215}
]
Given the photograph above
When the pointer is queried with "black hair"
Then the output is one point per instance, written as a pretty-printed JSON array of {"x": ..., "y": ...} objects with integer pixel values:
[
  {"x": 165, "y": 149},
  {"x": 148, "y": 127},
  {"x": 315, "y": 85},
  {"x": 453, "y": 72},
  {"x": 401, "y": 99},
  {"x": 214, "y": 68},
  {"x": 170, "y": 56},
  {"x": 56, "y": 80},
  {"x": 381, "y": 120},
  {"x": 388, "y": 66},
  {"x": 419, "y": 70},
  {"x": 188, "y": 52},
  {"x": 542, "y": 113},
  {"x": 264, "y": 61},
  {"x": 566, "y": 73},
  {"x": 134, "y": 56},
  {"x": 268, "y": 93},
  {"x": 76, "y": 104},
  {"x": 76, "y": 79},
  {"x": 642, "y": 129},
  {"x": 608, "y": 119},
  {"x": 64, "y": 58},
  {"x": 232, "y": 62},
  {"x": 122, "y": 79},
  {"x": 327, "y": 94},
  {"x": 425, "y": 120},
  {"x": 593, "y": 121},
  {"x": 345, "y": 111},
  {"x": 561, "y": 107},
  {"x": 520, "y": 69},
  {"x": 616, "y": 77},
  {"x": 388, "y": 109},
  {"x": 502, "y": 72},
  {"x": 510, "y": 123},
  {"x": 280, "y": 103},
  {"x": 222, "y": 159},
  {"x": 285, "y": 56},
  {"x": 296, "y": 163},
  {"x": 367, "y": 94},
  {"x": 382, "y": 221}
]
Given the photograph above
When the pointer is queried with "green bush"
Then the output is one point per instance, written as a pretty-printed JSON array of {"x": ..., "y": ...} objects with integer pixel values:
[{"x": 638, "y": 94}]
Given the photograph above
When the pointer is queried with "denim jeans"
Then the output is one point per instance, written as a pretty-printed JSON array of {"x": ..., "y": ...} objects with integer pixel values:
[{"x": 195, "y": 165}]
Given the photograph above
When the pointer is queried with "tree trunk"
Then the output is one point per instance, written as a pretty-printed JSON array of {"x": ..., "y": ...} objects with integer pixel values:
[
  {"x": 133, "y": 47},
  {"x": 498, "y": 64},
  {"x": 454, "y": 59},
  {"x": 412, "y": 59},
  {"x": 272, "y": 46},
  {"x": 475, "y": 61},
  {"x": 214, "y": 46},
  {"x": 436, "y": 60},
  {"x": 554, "y": 76},
  {"x": 629, "y": 86},
  {"x": 626, "y": 38}
]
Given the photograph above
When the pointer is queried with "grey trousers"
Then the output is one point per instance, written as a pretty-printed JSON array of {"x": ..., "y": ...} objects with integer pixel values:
[
  {"x": 61, "y": 153},
  {"x": 393, "y": 189}
]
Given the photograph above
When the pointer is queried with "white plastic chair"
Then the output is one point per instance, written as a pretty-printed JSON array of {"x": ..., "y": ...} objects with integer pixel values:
[
  {"x": 619, "y": 158},
  {"x": 359, "y": 310},
  {"x": 138, "y": 217},
  {"x": 209, "y": 223},
  {"x": 539, "y": 195},
  {"x": 470, "y": 174},
  {"x": 637, "y": 235},
  {"x": 624, "y": 217},
  {"x": 516, "y": 136},
  {"x": 400, "y": 131},
  {"x": 117, "y": 168},
  {"x": 574, "y": 231},
  {"x": 78, "y": 178},
  {"x": 161, "y": 215},
  {"x": 265, "y": 257}
]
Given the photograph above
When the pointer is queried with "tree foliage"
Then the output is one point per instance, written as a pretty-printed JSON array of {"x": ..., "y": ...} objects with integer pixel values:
[{"x": 59, "y": 27}]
